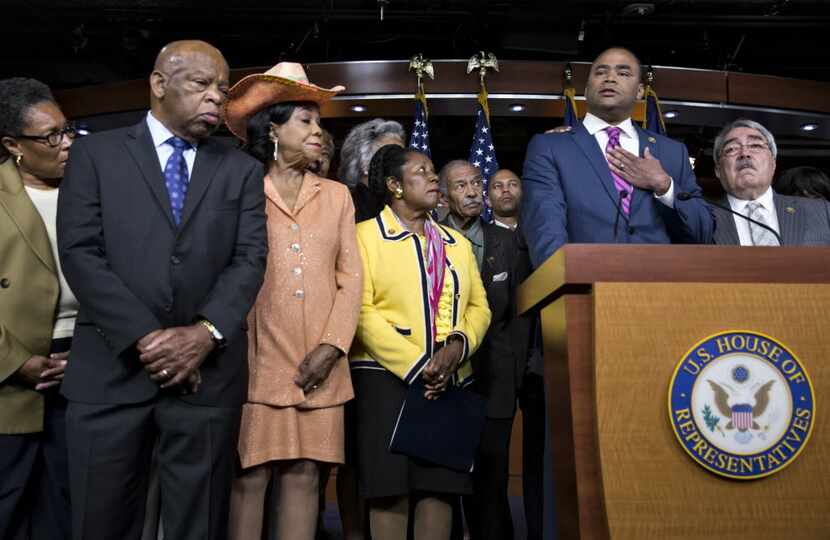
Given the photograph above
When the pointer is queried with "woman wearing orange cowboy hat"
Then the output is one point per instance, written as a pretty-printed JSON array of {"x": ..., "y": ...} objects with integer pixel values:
[{"x": 305, "y": 316}]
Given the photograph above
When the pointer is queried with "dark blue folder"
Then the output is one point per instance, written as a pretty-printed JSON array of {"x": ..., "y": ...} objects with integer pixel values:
[{"x": 445, "y": 431}]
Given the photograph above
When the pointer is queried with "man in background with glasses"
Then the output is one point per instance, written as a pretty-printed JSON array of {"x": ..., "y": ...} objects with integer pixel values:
[{"x": 745, "y": 153}]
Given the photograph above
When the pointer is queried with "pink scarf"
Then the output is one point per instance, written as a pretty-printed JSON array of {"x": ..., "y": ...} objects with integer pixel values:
[{"x": 436, "y": 261}]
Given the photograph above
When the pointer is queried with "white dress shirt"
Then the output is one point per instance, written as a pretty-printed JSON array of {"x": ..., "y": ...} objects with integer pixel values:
[
  {"x": 503, "y": 225},
  {"x": 629, "y": 141},
  {"x": 46, "y": 204},
  {"x": 160, "y": 135},
  {"x": 767, "y": 210}
]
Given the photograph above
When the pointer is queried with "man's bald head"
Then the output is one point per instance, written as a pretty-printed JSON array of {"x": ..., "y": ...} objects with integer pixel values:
[
  {"x": 189, "y": 85},
  {"x": 173, "y": 55}
]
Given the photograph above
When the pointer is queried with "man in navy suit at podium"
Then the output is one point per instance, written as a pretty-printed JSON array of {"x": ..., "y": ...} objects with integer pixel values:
[{"x": 607, "y": 180}]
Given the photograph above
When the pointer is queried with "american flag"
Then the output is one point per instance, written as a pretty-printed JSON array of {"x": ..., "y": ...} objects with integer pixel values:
[
  {"x": 571, "y": 112},
  {"x": 483, "y": 151},
  {"x": 420, "y": 129},
  {"x": 654, "y": 116}
]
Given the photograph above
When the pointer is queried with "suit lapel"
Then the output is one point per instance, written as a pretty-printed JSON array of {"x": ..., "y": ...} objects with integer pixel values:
[
  {"x": 790, "y": 224},
  {"x": 208, "y": 158},
  {"x": 640, "y": 195},
  {"x": 309, "y": 189},
  {"x": 588, "y": 144},
  {"x": 492, "y": 254},
  {"x": 140, "y": 146},
  {"x": 726, "y": 233},
  {"x": 22, "y": 211}
]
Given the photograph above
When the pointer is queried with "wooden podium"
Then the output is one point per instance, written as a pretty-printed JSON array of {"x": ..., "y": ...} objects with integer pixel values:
[{"x": 616, "y": 320}]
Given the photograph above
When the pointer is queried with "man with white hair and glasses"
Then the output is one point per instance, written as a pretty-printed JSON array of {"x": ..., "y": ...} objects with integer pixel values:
[{"x": 745, "y": 154}]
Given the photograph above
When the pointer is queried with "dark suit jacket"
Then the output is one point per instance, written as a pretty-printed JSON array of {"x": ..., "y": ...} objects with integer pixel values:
[
  {"x": 134, "y": 271},
  {"x": 801, "y": 221},
  {"x": 569, "y": 196},
  {"x": 500, "y": 362}
]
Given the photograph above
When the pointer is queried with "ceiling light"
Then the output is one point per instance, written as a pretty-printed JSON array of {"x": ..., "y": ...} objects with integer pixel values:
[
  {"x": 359, "y": 108},
  {"x": 809, "y": 127},
  {"x": 670, "y": 114},
  {"x": 517, "y": 107}
]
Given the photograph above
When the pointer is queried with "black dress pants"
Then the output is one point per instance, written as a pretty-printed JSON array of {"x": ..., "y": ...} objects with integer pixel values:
[
  {"x": 110, "y": 449},
  {"x": 532, "y": 403},
  {"x": 488, "y": 510},
  {"x": 53, "y": 513},
  {"x": 18, "y": 456}
]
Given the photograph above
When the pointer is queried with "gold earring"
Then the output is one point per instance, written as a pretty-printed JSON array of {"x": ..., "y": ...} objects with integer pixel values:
[
  {"x": 398, "y": 193},
  {"x": 18, "y": 159},
  {"x": 276, "y": 146}
]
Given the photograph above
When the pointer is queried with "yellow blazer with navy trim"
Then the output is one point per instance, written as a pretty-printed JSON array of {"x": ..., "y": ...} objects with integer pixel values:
[
  {"x": 394, "y": 330},
  {"x": 29, "y": 292}
]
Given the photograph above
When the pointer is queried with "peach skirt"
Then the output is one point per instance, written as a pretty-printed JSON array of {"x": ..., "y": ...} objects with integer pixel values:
[{"x": 283, "y": 433}]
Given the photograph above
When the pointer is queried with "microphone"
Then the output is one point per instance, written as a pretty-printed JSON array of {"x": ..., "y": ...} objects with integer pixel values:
[
  {"x": 622, "y": 195},
  {"x": 684, "y": 196}
]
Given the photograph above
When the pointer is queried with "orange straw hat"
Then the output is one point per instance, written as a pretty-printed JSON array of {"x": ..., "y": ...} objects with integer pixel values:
[{"x": 286, "y": 81}]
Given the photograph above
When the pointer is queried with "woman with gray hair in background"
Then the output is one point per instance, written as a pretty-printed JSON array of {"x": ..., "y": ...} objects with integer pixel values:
[
  {"x": 361, "y": 144},
  {"x": 358, "y": 149}
]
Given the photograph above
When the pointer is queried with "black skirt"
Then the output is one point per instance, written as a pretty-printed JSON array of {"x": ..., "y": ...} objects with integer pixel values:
[{"x": 371, "y": 418}]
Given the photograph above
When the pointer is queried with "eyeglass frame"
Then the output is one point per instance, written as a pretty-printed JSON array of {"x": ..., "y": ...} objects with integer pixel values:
[
  {"x": 67, "y": 130},
  {"x": 479, "y": 178},
  {"x": 753, "y": 147}
]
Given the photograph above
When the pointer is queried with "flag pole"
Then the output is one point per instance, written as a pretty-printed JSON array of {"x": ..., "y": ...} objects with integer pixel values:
[
  {"x": 571, "y": 116},
  {"x": 483, "y": 150},
  {"x": 419, "y": 139}
]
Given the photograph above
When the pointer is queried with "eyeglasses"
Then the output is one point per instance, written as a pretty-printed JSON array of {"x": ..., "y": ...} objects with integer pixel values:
[
  {"x": 733, "y": 149},
  {"x": 477, "y": 182},
  {"x": 53, "y": 139}
]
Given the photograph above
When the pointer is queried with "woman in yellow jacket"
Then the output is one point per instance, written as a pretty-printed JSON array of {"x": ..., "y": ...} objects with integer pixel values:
[{"x": 424, "y": 312}]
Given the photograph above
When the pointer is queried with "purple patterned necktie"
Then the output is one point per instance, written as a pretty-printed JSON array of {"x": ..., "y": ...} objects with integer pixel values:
[
  {"x": 176, "y": 177},
  {"x": 619, "y": 183}
]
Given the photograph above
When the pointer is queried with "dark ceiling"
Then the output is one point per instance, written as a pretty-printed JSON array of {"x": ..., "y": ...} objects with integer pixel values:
[{"x": 71, "y": 43}]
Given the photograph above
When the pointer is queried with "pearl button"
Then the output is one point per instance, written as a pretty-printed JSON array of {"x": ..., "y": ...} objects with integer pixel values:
[
  {"x": 295, "y": 248},
  {"x": 297, "y": 271},
  {"x": 295, "y": 227},
  {"x": 299, "y": 293}
]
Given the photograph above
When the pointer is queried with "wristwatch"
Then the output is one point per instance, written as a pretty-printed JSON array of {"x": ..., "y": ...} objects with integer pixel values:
[{"x": 217, "y": 337}]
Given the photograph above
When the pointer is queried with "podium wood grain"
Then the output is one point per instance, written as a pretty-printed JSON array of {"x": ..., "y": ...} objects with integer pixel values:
[
  {"x": 616, "y": 320},
  {"x": 652, "y": 488}
]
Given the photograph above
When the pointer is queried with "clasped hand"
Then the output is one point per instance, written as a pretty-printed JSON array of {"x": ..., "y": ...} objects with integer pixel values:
[
  {"x": 43, "y": 372},
  {"x": 440, "y": 368},
  {"x": 316, "y": 366},
  {"x": 172, "y": 356}
]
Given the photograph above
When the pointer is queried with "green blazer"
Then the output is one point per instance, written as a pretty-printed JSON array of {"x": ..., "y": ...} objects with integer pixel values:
[{"x": 29, "y": 290}]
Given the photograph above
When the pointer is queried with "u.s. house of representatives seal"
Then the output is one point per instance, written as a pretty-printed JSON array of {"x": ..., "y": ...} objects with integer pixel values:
[{"x": 741, "y": 404}]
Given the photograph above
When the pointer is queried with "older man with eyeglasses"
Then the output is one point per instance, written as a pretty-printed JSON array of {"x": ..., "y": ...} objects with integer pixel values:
[{"x": 745, "y": 154}]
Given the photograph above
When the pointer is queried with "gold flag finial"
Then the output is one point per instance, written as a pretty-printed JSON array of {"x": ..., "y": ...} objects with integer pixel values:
[
  {"x": 421, "y": 66},
  {"x": 482, "y": 61},
  {"x": 568, "y": 74}
]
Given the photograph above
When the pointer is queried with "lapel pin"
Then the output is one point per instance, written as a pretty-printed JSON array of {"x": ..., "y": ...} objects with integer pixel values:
[
  {"x": 391, "y": 231},
  {"x": 491, "y": 260},
  {"x": 790, "y": 210},
  {"x": 652, "y": 140}
]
